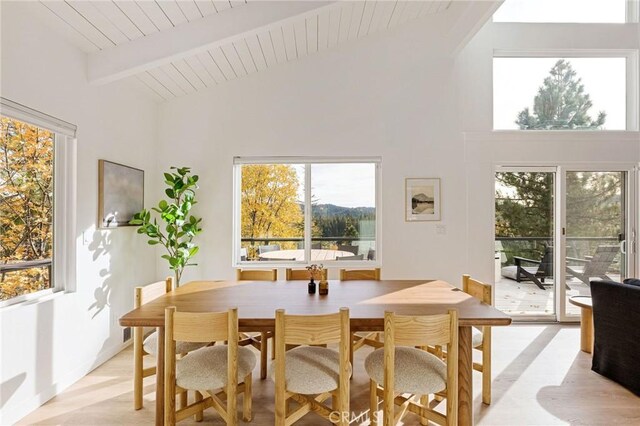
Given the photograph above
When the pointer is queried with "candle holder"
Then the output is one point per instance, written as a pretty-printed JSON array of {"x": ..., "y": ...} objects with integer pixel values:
[
  {"x": 323, "y": 288},
  {"x": 315, "y": 271}
]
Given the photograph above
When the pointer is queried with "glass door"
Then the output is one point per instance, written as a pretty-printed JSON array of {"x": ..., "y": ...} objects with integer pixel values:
[
  {"x": 525, "y": 222},
  {"x": 595, "y": 232}
]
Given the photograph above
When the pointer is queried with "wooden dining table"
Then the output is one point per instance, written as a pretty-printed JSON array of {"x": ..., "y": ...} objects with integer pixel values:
[{"x": 367, "y": 301}]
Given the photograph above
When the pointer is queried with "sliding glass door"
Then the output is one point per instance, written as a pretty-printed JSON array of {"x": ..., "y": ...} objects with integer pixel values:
[{"x": 557, "y": 228}]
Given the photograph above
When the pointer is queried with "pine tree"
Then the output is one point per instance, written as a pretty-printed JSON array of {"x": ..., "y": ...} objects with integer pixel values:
[{"x": 561, "y": 103}]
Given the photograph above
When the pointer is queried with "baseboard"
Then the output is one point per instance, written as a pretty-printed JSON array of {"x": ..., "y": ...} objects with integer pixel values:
[{"x": 12, "y": 412}]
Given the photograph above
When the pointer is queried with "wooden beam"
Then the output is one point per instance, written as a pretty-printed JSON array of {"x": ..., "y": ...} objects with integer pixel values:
[{"x": 186, "y": 40}]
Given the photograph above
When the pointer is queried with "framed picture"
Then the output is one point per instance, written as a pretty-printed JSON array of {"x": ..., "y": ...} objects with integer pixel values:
[
  {"x": 120, "y": 193},
  {"x": 422, "y": 200}
]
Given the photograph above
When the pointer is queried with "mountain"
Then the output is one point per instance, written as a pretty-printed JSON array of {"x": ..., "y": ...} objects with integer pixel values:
[{"x": 331, "y": 210}]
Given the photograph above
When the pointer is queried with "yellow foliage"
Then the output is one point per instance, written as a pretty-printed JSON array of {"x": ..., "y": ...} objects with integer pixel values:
[
  {"x": 26, "y": 204},
  {"x": 270, "y": 206}
]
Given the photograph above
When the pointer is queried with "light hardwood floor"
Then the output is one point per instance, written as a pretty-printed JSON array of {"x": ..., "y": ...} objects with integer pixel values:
[{"x": 540, "y": 378}]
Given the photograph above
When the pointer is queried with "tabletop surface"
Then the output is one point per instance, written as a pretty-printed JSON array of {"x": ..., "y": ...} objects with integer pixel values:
[
  {"x": 298, "y": 254},
  {"x": 582, "y": 301},
  {"x": 367, "y": 300}
]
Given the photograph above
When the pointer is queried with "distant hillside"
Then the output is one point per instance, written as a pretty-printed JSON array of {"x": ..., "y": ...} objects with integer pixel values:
[{"x": 331, "y": 210}]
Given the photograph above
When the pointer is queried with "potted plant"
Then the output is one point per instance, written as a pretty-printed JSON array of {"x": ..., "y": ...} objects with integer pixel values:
[{"x": 180, "y": 226}]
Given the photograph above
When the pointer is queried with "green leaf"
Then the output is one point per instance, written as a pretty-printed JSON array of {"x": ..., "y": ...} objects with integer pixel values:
[
  {"x": 170, "y": 193},
  {"x": 193, "y": 251},
  {"x": 153, "y": 242}
]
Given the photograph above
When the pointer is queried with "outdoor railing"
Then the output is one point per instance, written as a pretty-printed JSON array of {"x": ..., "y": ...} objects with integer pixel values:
[{"x": 27, "y": 264}]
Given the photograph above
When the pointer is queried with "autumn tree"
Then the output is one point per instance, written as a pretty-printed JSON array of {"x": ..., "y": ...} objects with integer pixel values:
[
  {"x": 26, "y": 205},
  {"x": 270, "y": 205},
  {"x": 561, "y": 103}
]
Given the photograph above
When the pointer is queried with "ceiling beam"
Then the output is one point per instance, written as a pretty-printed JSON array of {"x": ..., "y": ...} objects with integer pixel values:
[
  {"x": 185, "y": 40},
  {"x": 472, "y": 16}
]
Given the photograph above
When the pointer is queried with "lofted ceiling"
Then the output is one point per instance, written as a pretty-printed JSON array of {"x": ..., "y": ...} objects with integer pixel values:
[{"x": 178, "y": 47}]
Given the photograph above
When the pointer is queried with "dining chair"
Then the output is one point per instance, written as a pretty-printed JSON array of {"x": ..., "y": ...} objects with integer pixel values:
[
  {"x": 309, "y": 374},
  {"x": 215, "y": 373},
  {"x": 301, "y": 274},
  {"x": 481, "y": 338},
  {"x": 362, "y": 339},
  {"x": 402, "y": 368},
  {"x": 142, "y": 346},
  {"x": 258, "y": 342}
]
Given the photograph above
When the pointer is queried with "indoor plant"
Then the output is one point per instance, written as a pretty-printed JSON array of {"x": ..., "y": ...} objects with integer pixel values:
[{"x": 181, "y": 227}]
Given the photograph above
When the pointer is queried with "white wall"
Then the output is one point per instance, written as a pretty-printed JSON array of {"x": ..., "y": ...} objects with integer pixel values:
[
  {"x": 385, "y": 96},
  {"x": 48, "y": 345}
]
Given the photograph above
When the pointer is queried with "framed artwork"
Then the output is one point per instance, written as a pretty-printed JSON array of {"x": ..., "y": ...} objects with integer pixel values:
[
  {"x": 422, "y": 199},
  {"x": 120, "y": 193}
]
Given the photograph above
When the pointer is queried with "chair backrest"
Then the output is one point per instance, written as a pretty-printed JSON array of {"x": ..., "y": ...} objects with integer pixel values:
[
  {"x": 360, "y": 274},
  {"x": 268, "y": 248},
  {"x": 349, "y": 248},
  {"x": 546, "y": 265},
  {"x": 151, "y": 292},
  {"x": 301, "y": 274},
  {"x": 422, "y": 331},
  {"x": 316, "y": 246},
  {"x": 243, "y": 254},
  {"x": 371, "y": 254},
  {"x": 477, "y": 289},
  {"x": 256, "y": 274},
  {"x": 313, "y": 329},
  {"x": 601, "y": 260},
  {"x": 356, "y": 257}
]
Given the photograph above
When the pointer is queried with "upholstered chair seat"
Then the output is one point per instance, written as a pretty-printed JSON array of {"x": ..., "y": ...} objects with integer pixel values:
[
  {"x": 206, "y": 368},
  {"x": 150, "y": 345},
  {"x": 476, "y": 337}
]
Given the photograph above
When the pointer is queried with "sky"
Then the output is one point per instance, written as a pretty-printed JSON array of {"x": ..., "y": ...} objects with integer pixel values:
[
  {"x": 594, "y": 11},
  {"x": 346, "y": 185}
]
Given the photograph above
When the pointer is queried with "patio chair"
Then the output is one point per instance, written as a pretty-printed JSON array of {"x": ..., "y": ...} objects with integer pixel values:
[
  {"x": 268, "y": 248},
  {"x": 349, "y": 248},
  {"x": 595, "y": 266},
  {"x": 536, "y": 274}
]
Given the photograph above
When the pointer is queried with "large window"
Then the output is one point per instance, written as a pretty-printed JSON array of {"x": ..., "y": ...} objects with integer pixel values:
[
  {"x": 554, "y": 93},
  {"x": 301, "y": 211},
  {"x": 36, "y": 169},
  {"x": 563, "y": 11}
]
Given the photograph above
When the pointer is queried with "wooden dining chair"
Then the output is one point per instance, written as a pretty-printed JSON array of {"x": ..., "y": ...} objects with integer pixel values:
[
  {"x": 360, "y": 274},
  {"x": 401, "y": 368},
  {"x": 301, "y": 274},
  {"x": 360, "y": 340},
  {"x": 309, "y": 375},
  {"x": 481, "y": 338},
  {"x": 142, "y": 346},
  {"x": 215, "y": 373},
  {"x": 257, "y": 341}
]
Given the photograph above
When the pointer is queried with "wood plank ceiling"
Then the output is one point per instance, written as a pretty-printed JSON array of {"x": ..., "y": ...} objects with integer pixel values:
[{"x": 97, "y": 25}]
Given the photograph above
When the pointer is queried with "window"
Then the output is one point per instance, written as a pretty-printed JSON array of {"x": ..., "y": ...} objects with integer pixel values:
[
  {"x": 34, "y": 254},
  {"x": 302, "y": 211},
  {"x": 563, "y": 11},
  {"x": 555, "y": 93}
]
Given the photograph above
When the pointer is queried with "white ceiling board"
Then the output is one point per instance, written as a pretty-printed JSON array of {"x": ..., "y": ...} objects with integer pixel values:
[
  {"x": 367, "y": 16},
  {"x": 300, "y": 34},
  {"x": 289, "y": 35},
  {"x": 155, "y": 86},
  {"x": 205, "y": 7},
  {"x": 237, "y": 3},
  {"x": 69, "y": 15},
  {"x": 173, "y": 12},
  {"x": 266, "y": 44},
  {"x": 53, "y": 21},
  {"x": 221, "y": 5},
  {"x": 397, "y": 14},
  {"x": 89, "y": 11},
  {"x": 190, "y": 10},
  {"x": 277, "y": 41},
  {"x": 312, "y": 34},
  {"x": 345, "y": 22},
  {"x": 155, "y": 14},
  {"x": 161, "y": 76},
  {"x": 174, "y": 73},
  {"x": 335, "y": 15},
  {"x": 242, "y": 49},
  {"x": 231, "y": 54},
  {"x": 137, "y": 16},
  {"x": 190, "y": 75},
  {"x": 382, "y": 15},
  {"x": 201, "y": 71},
  {"x": 118, "y": 18},
  {"x": 323, "y": 29},
  {"x": 356, "y": 20},
  {"x": 211, "y": 66},
  {"x": 221, "y": 60},
  {"x": 255, "y": 49}
]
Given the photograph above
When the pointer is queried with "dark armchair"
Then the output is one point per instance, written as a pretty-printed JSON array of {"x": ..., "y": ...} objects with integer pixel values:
[{"x": 616, "y": 322}]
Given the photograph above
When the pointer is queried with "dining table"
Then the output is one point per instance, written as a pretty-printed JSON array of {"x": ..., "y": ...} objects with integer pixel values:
[{"x": 367, "y": 301}]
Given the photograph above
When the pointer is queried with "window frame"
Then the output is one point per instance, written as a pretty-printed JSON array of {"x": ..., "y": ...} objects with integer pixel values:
[
  {"x": 238, "y": 162},
  {"x": 63, "y": 259},
  {"x": 632, "y": 75}
]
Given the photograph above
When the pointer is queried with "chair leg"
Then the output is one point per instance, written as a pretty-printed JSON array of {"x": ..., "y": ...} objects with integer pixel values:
[
  {"x": 373, "y": 403},
  {"x": 183, "y": 400},
  {"x": 273, "y": 347},
  {"x": 246, "y": 399},
  {"x": 263, "y": 355},
  {"x": 424, "y": 401},
  {"x": 137, "y": 368},
  {"x": 199, "y": 415}
]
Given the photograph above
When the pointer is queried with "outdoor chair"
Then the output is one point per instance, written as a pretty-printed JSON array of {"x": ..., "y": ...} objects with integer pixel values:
[
  {"x": 268, "y": 248},
  {"x": 595, "y": 266},
  {"x": 349, "y": 248},
  {"x": 356, "y": 257},
  {"x": 536, "y": 274}
]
